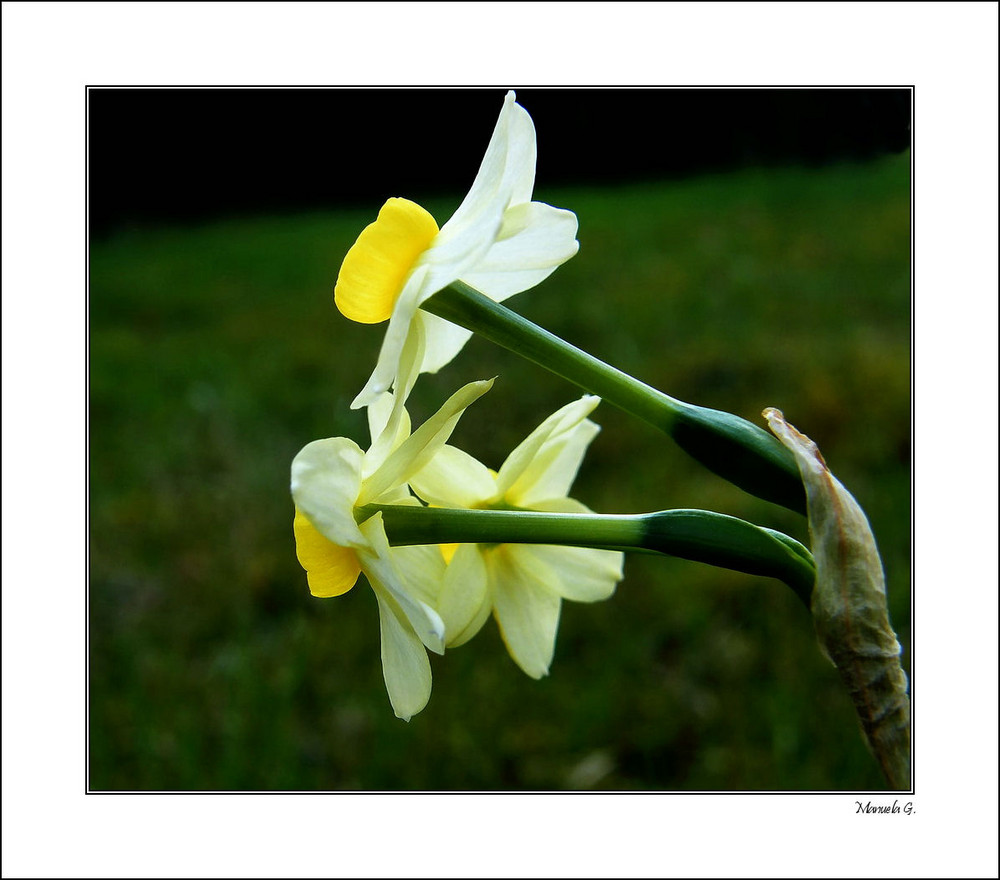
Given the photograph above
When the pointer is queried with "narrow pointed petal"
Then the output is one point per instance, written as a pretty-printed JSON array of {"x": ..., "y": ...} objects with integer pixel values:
[
  {"x": 522, "y": 150},
  {"x": 389, "y": 425},
  {"x": 411, "y": 359},
  {"x": 396, "y": 427},
  {"x": 378, "y": 415},
  {"x": 381, "y": 569},
  {"x": 519, "y": 462},
  {"x": 489, "y": 177},
  {"x": 330, "y": 570},
  {"x": 400, "y": 495},
  {"x": 405, "y": 667},
  {"x": 506, "y": 177},
  {"x": 551, "y": 473},
  {"x": 465, "y": 601},
  {"x": 582, "y": 574},
  {"x": 326, "y": 480},
  {"x": 453, "y": 478},
  {"x": 381, "y": 380},
  {"x": 527, "y": 606},
  {"x": 415, "y": 452}
]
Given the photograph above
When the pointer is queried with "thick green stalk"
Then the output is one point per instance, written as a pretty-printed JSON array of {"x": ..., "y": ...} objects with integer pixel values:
[
  {"x": 698, "y": 535},
  {"x": 726, "y": 444}
]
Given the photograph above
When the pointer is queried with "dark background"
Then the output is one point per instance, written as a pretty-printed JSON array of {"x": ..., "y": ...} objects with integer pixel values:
[{"x": 174, "y": 155}]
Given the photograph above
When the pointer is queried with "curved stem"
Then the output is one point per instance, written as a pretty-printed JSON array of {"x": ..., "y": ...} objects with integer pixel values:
[
  {"x": 698, "y": 535},
  {"x": 726, "y": 444}
]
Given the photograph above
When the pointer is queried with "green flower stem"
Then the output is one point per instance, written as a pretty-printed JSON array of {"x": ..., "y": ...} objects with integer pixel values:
[
  {"x": 698, "y": 535},
  {"x": 727, "y": 445}
]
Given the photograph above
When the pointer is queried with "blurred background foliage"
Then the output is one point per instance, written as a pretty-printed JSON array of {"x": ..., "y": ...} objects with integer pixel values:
[{"x": 216, "y": 353}]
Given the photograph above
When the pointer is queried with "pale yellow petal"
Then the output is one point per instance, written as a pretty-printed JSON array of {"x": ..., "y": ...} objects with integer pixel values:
[
  {"x": 382, "y": 570},
  {"x": 416, "y": 451},
  {"x": 422, "y": 568},
  {"x": 526, "y": 605},
  {"x": 453, "y": 478},
  {"x": 405, "y": 667},
  {"x": 464, "y": 602},
  {"x": 520, "y": 472},
  {"x": 389, "y": 425},
  {"x": 326, "y": 480},
  {"x": 582, "y": 574},
  {"x": 551, "y": 473}
]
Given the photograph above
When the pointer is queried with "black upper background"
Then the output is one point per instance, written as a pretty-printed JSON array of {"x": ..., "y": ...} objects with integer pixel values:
[{"x": 179, "y": 155}]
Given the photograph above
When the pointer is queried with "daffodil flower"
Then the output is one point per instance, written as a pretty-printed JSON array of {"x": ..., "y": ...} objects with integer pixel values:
[
  {"x": 498, "y": 240},
  {"x": 523, "y": 584},
  {"x": 331, "y": 479}
]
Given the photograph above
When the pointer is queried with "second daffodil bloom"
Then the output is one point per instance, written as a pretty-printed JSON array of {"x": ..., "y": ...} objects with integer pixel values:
[
  {"x": 331, "y": 479},
  {"x": 498, "y": 241},
  {"x": 522, "y": 584}
]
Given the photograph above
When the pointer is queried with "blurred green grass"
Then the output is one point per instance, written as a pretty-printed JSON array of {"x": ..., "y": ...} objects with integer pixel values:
[{"x": 216, "y": 353}]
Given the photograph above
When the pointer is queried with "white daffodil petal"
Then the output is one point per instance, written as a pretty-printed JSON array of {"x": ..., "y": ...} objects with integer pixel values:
[
  {"x": 583, "y": 574},
  {"x": 414, "y": 453},
  {"x": 405, "y": 667},
  {"x": 378, "y": 412},
  {"x": 400, "y": 495},
  {"x": 505, "y": 180},
  {"x": 411, "y": 358},
  {"x": 389, "y": 425},
  {"x": 453, "y": 478},
  {"x": 464, "y": 601},
  {"x": 391, "y": 418},
  {"x": 522, "y": 154},
  {"x": 387, "y": 366},
  {"x": 443, "y": 340},
  {"x": 551, "y": 473},
  {"x": 526, "y": 605},
  {"x": 556, "y": 424},
  {"x": 489, "y": 177},
  {"x": 381, "y": 569},
  {"x": 423, "y": 569},
  {"x": 326, "y": 480},
  {"x": 506, "y": 175},
  {"x": 534, "y": 240}
]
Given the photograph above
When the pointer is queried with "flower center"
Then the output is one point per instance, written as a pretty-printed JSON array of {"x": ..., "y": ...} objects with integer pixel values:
[{"x": 379, "y": 262}]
